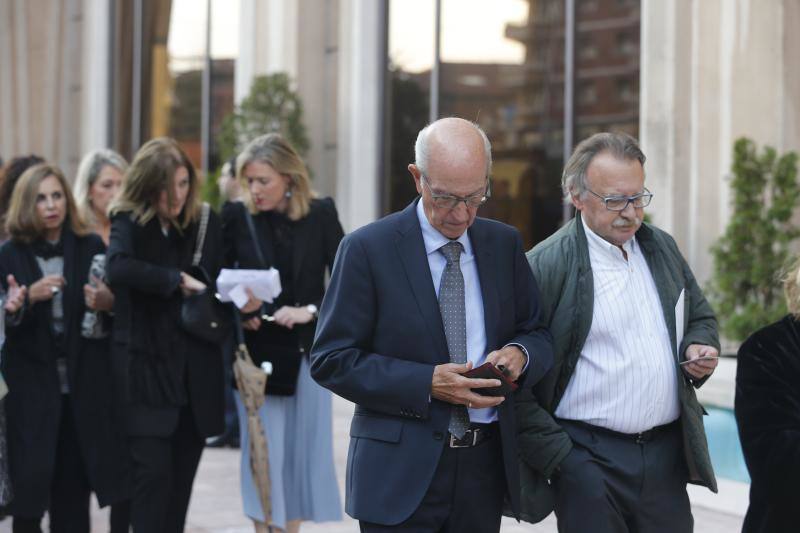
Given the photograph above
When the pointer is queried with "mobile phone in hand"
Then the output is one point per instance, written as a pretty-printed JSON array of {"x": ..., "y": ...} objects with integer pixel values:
[{"x": 704, "y": 358}]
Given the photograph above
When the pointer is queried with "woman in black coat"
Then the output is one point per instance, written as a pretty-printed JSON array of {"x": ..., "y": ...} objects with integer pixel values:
[
  {"x": 297, "y": 234},
  {"x": 62, "y": 437},
  {"x": 768, "y": 415},
  {"x": 171, "y": 382}
]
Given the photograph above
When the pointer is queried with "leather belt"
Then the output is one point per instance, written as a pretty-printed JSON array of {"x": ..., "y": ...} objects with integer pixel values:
[
  {"x": 639, "y": 438},
  {"x": 475, "y": 435}
]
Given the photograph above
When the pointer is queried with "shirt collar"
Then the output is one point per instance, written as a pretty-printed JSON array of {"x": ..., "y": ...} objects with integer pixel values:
[
  {"x": 598, "y": 243},
  {"x": 433, "y": 239}
]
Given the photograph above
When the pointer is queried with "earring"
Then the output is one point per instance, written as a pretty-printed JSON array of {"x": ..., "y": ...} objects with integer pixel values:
[{"x": 288, "y": 193}]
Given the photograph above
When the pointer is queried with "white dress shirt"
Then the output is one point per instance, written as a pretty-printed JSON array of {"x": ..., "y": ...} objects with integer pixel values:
[
  {"x": 625, "y": 378},
  {"x": 473, "y": 299}
]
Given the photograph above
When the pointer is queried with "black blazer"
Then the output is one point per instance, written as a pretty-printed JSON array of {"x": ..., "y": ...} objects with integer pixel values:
[
  {"x": 379, "y": 337},
  {"x": 33, "y": 405},
  {"x": 316, "y": 239},
  {"x": 157, "y": 366},
  {"x": 768, "y": 416}
]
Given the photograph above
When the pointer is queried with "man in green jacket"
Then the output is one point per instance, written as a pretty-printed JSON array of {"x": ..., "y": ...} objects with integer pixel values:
[{"x": 612, "y": 434}]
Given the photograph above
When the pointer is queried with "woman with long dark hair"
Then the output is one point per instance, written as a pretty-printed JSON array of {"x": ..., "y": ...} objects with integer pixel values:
[
  {"x": 282, "y": 224},
  {"x": 63, "y": 440},
  {"x": 171, "y": 381}
]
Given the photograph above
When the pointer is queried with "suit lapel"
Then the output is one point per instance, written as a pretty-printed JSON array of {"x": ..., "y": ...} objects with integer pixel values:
[
  {"x": 482, "y": 248},
  {"x": 411, "y": 249}
]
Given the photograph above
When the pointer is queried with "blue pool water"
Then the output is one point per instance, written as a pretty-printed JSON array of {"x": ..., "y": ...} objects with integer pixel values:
[{"x": 723, "y": 443}]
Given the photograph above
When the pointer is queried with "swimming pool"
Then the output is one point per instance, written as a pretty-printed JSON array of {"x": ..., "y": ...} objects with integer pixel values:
[{"x": 724, "y": 445}]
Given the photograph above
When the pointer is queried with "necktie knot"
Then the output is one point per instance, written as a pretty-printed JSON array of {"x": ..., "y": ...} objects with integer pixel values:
[{"x": 452, "y": 252}]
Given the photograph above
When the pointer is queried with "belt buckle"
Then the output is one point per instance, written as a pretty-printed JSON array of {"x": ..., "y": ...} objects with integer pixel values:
[{"x": 455, "y": 442}]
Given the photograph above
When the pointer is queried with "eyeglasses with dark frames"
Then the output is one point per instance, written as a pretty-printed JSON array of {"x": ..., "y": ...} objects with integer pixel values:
[
  {"x": 620, "y": 203},
  {"x": 450, "y": 201}
]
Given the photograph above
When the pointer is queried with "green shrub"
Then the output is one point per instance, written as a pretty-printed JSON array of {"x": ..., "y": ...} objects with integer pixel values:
[
  {"x": 750, "y": 257},
  {"x": 271, "y": 106}
]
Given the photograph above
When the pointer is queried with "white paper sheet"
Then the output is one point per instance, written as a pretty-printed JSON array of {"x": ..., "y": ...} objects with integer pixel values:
[
  {"x": 679, "y": 311},
  {"x": 232, "y": 285}
]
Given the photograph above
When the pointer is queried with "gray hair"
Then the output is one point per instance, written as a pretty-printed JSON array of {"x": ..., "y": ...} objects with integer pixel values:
[
  {"x": 620, "y": 145},
  {"x": 90, "y": 167},
  {"x": 421, "y": 149}
]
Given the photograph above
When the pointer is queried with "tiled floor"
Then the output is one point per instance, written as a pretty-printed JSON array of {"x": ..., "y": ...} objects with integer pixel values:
[{"x": 216, "y": 508}]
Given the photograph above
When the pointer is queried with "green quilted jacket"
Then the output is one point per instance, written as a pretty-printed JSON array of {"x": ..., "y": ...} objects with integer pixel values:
[{"x": 564, "y": 275}]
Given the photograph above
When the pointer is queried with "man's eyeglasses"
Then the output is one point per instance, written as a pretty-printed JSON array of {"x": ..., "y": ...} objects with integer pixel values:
[
  {"x": 620, "y": 203},
  {"x": 449, "y": 201}
]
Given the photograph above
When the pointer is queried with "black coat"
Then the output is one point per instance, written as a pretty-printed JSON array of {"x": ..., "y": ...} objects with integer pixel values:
[
  {"x": 158, "y": 367},
  {"x": 315, "y": 241},
  {"x": 33, "y": 404},
  {"x": 768, "y": 416}
]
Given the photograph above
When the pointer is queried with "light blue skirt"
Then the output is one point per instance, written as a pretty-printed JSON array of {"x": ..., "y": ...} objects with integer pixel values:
[{"x": 300, "y": 442}]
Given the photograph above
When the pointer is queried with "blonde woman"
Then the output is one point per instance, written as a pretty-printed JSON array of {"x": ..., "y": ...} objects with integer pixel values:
[
  {"x": 298, "y": 234},
  {"x": 97, "y": 184},
  {"x": 63, "y": 436},
  {"x": 767, "y": 410},
  {"x": 170, "y": 381}
]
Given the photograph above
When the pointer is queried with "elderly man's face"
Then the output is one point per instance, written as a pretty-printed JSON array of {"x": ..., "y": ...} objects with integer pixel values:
[
  {"x": 467, "y": 182},
  {"x": 609, "y": 176}
]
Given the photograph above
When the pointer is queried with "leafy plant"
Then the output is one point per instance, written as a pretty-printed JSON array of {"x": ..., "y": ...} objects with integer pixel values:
[
  {"x": 271, "y": 106},
  {"x": 752, "y": 254}
]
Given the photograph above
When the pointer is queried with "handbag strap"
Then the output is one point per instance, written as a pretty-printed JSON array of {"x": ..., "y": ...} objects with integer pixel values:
[
  {"x": 201, "y": 233},
  {"x": 252, "y": 229}
]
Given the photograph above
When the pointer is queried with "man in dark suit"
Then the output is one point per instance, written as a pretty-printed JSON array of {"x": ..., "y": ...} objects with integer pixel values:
[{"x": 415, "y": 301}]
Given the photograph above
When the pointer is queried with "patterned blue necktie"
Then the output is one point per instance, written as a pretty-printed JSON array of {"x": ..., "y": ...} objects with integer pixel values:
[{"x": 454, "y": 317}]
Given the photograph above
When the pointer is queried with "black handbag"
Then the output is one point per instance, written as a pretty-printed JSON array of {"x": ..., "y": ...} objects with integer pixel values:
[{"x": 202, "y": 315}]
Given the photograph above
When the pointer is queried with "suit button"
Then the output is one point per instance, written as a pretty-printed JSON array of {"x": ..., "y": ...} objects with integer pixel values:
[{"x": 438, "y": 435}]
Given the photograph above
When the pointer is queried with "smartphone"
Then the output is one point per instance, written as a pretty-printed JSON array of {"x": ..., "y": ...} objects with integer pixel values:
[
  {"x": 704, "y": 358},
  {"x": 489, "y": 371}
]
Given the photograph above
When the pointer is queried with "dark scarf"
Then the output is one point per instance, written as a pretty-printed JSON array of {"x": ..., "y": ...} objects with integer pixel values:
[{"x": 46, "y": 249}]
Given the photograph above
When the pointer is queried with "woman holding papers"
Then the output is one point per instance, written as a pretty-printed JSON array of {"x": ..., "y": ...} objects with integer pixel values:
[
  {"x": 64, "y": 440},
  {"x": 171, "y": 382},
  {"x": 282, "y": 225}
]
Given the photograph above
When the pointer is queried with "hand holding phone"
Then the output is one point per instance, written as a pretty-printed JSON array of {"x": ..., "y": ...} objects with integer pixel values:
[
  {"x": 703, "y": 358},
  {"x": 489, "y": 371}
]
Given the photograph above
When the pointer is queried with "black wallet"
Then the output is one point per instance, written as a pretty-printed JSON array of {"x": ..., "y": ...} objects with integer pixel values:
[{"x": 489, "y": 371}]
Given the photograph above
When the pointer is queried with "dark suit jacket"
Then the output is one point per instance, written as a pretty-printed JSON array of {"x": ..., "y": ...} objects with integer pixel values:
[
  {"x": 33, "y": 405},
  {"x": 158, "y": 367},
  {"x": 379, "y": 337}
]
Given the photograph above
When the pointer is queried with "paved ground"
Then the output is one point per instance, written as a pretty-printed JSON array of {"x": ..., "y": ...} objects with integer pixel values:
[{"x": 216, "y": 506}]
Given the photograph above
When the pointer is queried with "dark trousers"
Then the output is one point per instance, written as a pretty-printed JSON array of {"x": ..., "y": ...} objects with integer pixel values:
[
  {"x": 466, "y": 493},
  {"x": 163, "y": 473},
  {"x": 70, "y": 490},
  {"x": 610, "y": 483}
]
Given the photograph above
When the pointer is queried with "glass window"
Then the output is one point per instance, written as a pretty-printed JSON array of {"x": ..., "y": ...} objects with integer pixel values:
[{"x": 502, "y": 65}]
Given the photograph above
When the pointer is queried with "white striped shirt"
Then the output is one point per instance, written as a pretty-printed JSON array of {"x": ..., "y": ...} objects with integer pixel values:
[{"x": 625, "y": 378}]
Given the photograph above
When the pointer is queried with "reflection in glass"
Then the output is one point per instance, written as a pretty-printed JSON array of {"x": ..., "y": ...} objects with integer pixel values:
[{"x": 502, "y": 66}]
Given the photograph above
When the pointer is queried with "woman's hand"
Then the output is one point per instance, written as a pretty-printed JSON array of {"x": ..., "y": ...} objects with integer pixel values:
[
  {"x": 253, "y": 304},
  {"x": 44, "y": 289},
  {"x": 15, "y": 296},
  {"x": 252, "y": 324},
  {"x": 190, "y": 285},
  {"x": 99, "y": 297},
  {"x": 289, "y": 317}
]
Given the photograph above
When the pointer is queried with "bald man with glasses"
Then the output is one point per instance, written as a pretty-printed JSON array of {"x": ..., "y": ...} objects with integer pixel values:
[
  {"x": 613, "y": 434},
  {"x": 415, "y": 301}
]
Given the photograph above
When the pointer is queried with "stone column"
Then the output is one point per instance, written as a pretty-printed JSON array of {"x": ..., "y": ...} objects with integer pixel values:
[{"x": 712, "y": 71}]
